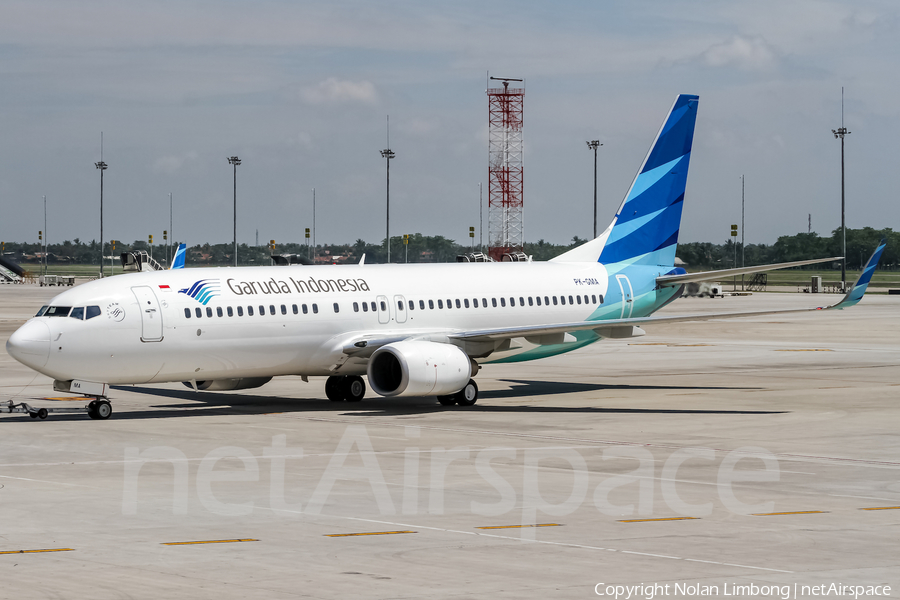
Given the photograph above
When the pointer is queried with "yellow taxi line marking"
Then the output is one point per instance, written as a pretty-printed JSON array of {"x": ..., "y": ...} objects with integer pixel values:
[
  {"x": 366, "y": 533},
  {"x": 882, "y": 508},
  {"x": 663, "y": 519},
  {"x": 805, "y": 350},
  {"x": 67, "y": 399},
  {"x": 521, "y": 526},
  {"x": 36, "y": 551},
  {"x": 797, "y": 512},
  {"x": 208, "y": 542}
]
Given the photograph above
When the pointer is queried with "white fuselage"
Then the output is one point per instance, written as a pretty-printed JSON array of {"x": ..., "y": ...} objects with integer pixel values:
[{"x": 268, "y": 321}]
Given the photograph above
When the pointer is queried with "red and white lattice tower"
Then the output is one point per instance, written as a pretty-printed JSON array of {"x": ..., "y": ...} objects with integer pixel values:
[{"x": 506, "y": 225}]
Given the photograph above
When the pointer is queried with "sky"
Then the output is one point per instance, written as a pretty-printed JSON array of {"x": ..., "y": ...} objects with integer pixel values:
[{"x": 301, "y": 91}]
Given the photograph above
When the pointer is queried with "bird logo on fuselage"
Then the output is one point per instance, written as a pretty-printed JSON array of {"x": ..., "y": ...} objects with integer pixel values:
[{"x": 203, "y": 291}]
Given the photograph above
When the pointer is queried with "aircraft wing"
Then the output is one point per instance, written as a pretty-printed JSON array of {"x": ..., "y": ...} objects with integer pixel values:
[{"x": 666, "y": 280}]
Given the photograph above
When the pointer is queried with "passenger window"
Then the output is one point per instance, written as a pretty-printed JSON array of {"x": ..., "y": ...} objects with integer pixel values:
[
  {"x": 579, "y": 299},
  {"x": 594, "y": 298},
  {"x": 562, "y": 300},
  {"x": 229, "y": 311},
  {"x": 530, "y": 301},
  {"x": 484, "y": 302},
  {"x": 283, "y": 309},
  {"x": 449, "y": 303},
  {"x": 412, "y": 305},
  {"x": 422, "y": 304},
  {"x": 337, "y": 308},
  {"x": 475, "y": 302},
  {"x": 198, "y": 313},
  {"x": 570, "y": 300},
  {"x": 400, "y": 305},
  {"x": 262, "y": 310},
  {"x": 42, "y": 311},
  {"x": 554, "y": 300},
  {"x": 271, "y": 309},
  {"x": 240, "y": 310},
  {"x": 521, "y": 301},
  {"x": 77, "y": 313},
  {"x": 538, "y": 298},
  {"x": 585, "y": 299},
  {"x": 315, "y": 309},
  {"x": 305, "y": 309},
  {"x": 601, "y": 298},
  {"x": 440, "y": 303},
  {"x": 356, "y": 307},
  {"x": 219, "y": 311},
  {"x": 294, "y": 308},
  {"x": 372, "y": 304},
  {"x": 494, "y": 302},
  {"x": 209, "y": 311},
  {"x": 249, "y": 311},
  {"x": 383, "y": 305},
  {"x": 547, "y": 300},
  {"x": 466, "y": 302},
  {"x": 187, "y": 313},
  {"x": 431, "y": 304},
  {"x": 457, "y": 303},
  {"x": 503, "y": 302},
  {"x": 365, "y": 307}
]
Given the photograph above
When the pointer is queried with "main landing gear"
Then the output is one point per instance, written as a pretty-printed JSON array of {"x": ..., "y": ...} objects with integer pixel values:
[
  {"x": 99, "y": 409},
  {"x": 467, "y": 396},
  {"x": 351, "y": 388}
]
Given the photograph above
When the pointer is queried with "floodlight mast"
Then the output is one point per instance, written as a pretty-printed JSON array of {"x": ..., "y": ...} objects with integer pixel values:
[
  {"x": 840, "y": 133},
  {"x": 235, "y": 161},
  {"x": 102, "y": 166},
  {"x": 593, "y": 145}
]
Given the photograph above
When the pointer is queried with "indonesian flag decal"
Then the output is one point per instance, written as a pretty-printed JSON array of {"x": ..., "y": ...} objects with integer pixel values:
[{"x": 165, "y": 288}]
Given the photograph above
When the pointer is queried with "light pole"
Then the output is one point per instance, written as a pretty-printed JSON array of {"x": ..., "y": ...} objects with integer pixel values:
[
  {"x": 840, "y": 133},
  {"x": 388, "y": 154},
  {"x": 314, "y": 228},
  {"x": 235, "y": 161},
  {"x": 593, "y": 145},
  {"x": 46, "y": 239},
  {"x": 102, "y": 166},
  {"x": 171, "y": 232}
]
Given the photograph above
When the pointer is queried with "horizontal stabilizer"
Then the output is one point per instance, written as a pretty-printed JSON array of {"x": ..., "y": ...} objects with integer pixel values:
[{"x": 721, "y": 274}]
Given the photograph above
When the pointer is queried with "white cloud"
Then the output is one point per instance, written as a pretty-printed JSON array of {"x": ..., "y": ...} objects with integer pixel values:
[
  {"x": 336, "y": 90},
  {"x": 744, "y": 52}
]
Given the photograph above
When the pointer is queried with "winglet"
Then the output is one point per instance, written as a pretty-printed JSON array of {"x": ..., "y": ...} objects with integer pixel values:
[
  {"x": 859, "y": 288},
  {"x": 178, "y": 261}
]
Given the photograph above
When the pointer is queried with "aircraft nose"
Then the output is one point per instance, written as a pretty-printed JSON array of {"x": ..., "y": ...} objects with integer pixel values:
[{"x": 30, "y": 344}]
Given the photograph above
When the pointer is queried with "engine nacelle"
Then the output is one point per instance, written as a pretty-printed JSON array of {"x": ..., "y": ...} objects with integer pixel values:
[
  {"x": 223, "y": 385},
  {"x": 419, "y": 369}
]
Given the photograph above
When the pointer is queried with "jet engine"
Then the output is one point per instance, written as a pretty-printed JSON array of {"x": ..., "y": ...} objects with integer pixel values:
[
  {"x": 419, "y": 368},
  {"x": 222, "y": 385}
]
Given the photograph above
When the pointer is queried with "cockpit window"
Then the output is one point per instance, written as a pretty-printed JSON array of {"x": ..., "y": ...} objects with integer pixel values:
[
  {"x": 42, "y": 311},
  {"x": 58, "y": 311},
  {"x": 91, "y": 312},
  {"x": 77, "y": 313}
]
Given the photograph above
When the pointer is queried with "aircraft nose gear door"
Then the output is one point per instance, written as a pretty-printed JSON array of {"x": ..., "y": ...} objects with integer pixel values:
[
  {"x": 151, "y": 316},
  {"x": 627, "y": 301}
]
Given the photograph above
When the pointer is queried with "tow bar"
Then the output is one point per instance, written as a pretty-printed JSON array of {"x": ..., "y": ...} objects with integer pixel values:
[{"x": 98, "y": 408}]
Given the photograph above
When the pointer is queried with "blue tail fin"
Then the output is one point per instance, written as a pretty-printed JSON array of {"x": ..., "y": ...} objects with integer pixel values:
[
  {"x": 645, "y": 230},
  {"x": 859, "y": 288},
  {"x": 178, "y": 261}
]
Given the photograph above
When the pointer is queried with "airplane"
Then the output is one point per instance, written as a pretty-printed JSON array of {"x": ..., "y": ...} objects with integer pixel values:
[{"x": 411, "y": 329}]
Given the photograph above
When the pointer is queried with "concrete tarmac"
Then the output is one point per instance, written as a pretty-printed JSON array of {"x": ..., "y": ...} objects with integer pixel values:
[{"x": 745, "y": 452}]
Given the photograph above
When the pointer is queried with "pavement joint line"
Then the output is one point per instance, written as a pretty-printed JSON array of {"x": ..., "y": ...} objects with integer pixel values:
[
  {"x": 795, "y": 512},
  {"x": 804, "y": 350},
  {"x": 368, "y": 533},
  {"x": 801, "y": 457},
  {"x": 661, "y": 519},
  {"x": 882, "y": 508},
  {"x": 546, "y": 542},
  {"x": 521, "y": 526},
  {"x": 37, "y": 551},
  {"x": 208, "y": 542}
]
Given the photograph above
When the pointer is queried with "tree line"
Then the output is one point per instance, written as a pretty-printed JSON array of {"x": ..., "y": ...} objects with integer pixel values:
[{"x": 422, "y": 248}]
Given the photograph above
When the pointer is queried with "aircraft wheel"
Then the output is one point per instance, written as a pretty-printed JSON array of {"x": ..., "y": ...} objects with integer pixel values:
[
  {"x": 42, "y": 413},
  {"x": 447, "y": 400},
  {"x": 354, "y": 388},
  {"x": 333, "y": 389},
  {"x": 467, "y": 396},
  {"x": 100, "y": 409},
  {"x": 33, "y": 415}
]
